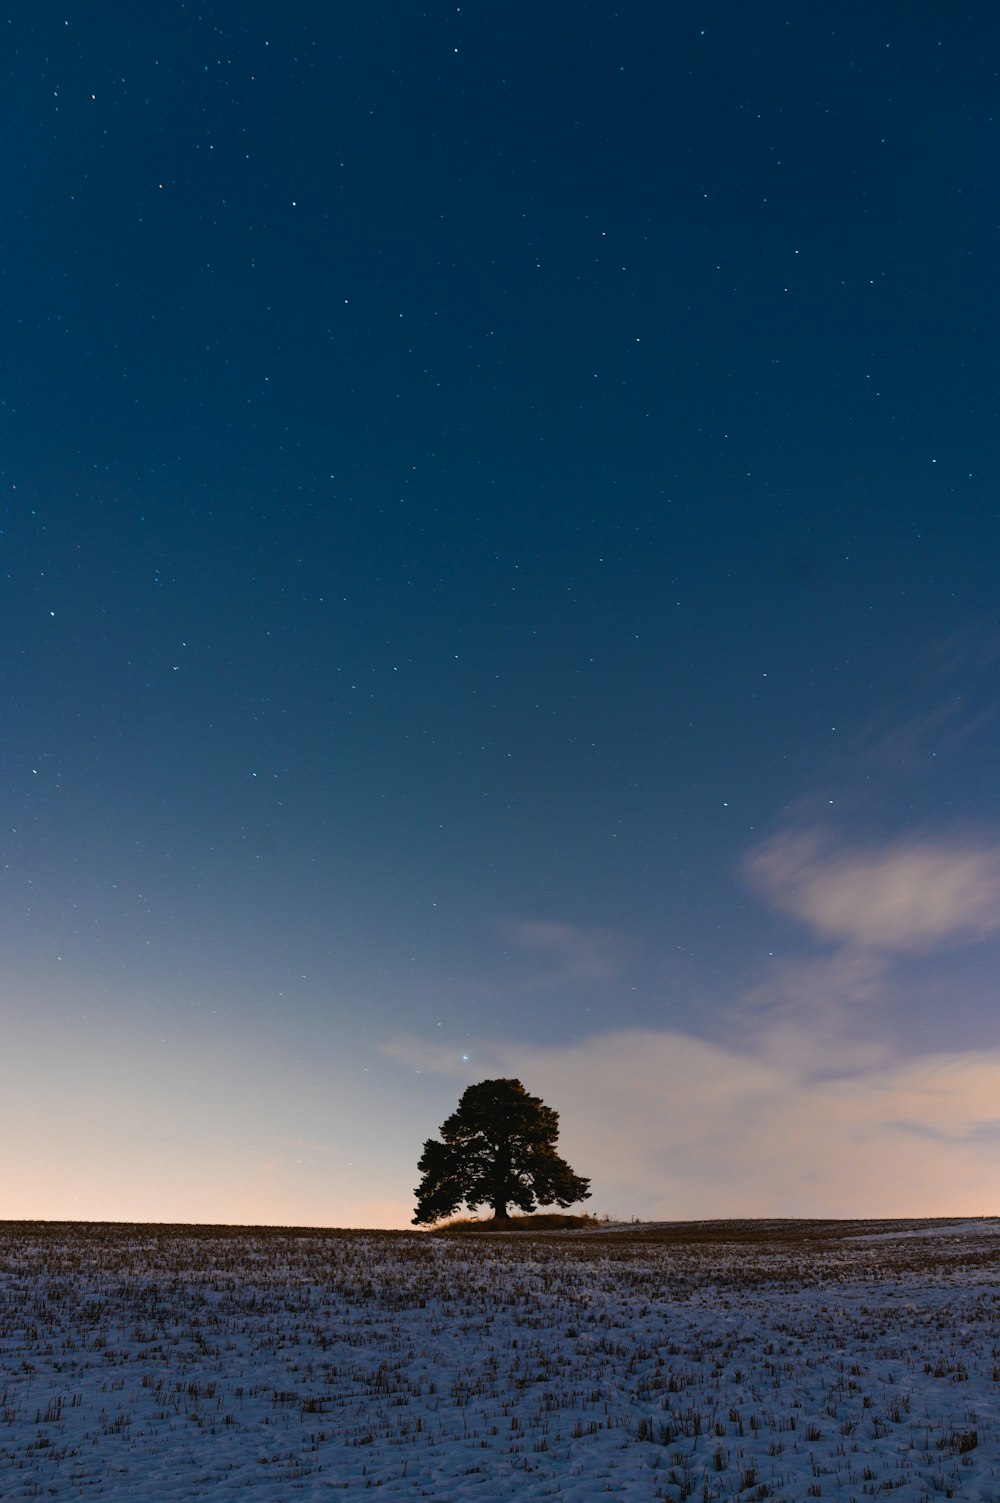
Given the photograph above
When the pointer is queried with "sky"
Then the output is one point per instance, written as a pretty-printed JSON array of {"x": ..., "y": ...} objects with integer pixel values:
[{"x": 499, "y": 576}]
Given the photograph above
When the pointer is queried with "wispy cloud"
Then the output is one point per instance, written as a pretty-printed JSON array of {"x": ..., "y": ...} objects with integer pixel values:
[
  {"x": 951, "y": 700},
  {"x": 569, "y": 951},
  {"x": 908, "y": 895},
  {"x": 819, "y": 1016}
]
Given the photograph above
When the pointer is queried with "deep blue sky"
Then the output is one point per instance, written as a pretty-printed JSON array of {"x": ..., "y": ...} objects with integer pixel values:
[{"x": 499, "y": 559}]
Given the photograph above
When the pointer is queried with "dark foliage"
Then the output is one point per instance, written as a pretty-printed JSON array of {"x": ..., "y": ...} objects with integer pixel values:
[{"x": 498, "y": 1150}]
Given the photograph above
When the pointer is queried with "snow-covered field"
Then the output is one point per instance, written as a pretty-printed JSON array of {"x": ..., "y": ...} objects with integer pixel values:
[{"x": 723, "y": 1361}]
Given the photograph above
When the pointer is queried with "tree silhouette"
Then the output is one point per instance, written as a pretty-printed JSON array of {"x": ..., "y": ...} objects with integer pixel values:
[{"x": 498, "y": 1150}]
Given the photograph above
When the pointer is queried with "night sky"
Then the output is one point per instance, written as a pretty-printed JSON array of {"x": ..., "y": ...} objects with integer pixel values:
[{"x": 499, "y": 572}]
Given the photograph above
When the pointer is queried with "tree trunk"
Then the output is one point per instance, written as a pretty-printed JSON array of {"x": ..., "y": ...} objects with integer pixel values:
[{"x": 501, "y": 1182}]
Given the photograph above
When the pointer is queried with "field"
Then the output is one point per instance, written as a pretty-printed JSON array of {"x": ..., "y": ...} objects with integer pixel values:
[{"x": 713, "y": 1361}]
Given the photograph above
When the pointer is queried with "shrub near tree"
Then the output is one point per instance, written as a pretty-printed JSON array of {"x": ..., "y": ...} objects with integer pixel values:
[{"x": 497, "y": 1149}]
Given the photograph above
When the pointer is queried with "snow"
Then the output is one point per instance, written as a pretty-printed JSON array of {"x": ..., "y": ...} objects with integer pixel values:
[
  {"x": 756, "y": 1361},
  {"x": 955, "y": 1229}
]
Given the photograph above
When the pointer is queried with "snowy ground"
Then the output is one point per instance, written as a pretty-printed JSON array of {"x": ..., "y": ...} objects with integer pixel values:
[{"x": 727, "y": 1361}]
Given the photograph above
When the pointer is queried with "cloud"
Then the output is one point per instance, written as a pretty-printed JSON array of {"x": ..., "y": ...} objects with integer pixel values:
[
  {"x": 906, "y": 896},
  {"x": 951, "y": 699},
  {"x": 569, "y": 951},
  {"x": 668, "y": 1126},
  {"x": 819, "y": 1016}
]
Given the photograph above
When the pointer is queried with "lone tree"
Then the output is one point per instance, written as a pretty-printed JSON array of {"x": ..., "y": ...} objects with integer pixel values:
[{"x": 499, "y": 1148}]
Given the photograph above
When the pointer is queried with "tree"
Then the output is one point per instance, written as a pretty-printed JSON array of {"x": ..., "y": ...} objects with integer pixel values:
[{"x": 498, "y": 1149}]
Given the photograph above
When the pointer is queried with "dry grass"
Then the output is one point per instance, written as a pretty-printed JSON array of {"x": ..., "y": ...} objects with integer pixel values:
[{"x": 538, "y": 1222}]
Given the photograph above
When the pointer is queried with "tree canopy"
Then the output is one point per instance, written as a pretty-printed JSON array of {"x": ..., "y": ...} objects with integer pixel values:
[{"x": 498, "y": 1149}]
